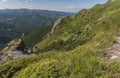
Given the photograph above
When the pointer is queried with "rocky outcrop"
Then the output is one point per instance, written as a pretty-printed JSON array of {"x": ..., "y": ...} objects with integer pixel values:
[
  {"x": 111, "y": 0},
  {"x": 17, "y": 44},
  {"x": 56, "y": 26},
  {"x": 15, "y": 49},
  {"x": 113, "y": 52}
]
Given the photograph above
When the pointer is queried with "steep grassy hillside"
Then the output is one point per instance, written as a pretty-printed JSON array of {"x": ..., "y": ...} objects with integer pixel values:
[
  {"x": 76, "y": 49},
  {"x": 86, "y": 26}
]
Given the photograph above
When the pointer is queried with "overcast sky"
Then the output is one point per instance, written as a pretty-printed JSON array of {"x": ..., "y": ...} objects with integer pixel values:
[{"x": 57, "y": 5}]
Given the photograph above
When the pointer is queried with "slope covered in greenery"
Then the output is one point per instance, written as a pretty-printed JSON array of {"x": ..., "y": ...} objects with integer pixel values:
[{"x": 76, "y": 50}]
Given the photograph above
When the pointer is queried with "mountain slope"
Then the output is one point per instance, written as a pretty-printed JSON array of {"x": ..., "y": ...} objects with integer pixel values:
[
  {"x": 76, "y": 49},
  {"x": 84, "y": 27}
]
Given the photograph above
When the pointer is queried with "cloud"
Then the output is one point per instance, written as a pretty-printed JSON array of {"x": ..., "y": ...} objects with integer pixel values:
[
  {"x": 74, "y": 7},
  {"x": 28, "y": 1},
  {"x": 4, "y": 0}
]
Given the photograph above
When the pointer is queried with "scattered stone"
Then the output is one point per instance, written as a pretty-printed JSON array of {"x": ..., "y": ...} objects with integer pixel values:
[
  {"x": 113, "y": 52},
  {"x": 113, "y": 57},
  {"x": 75, "y": 37},
  {"x": 111, "y": 0}
]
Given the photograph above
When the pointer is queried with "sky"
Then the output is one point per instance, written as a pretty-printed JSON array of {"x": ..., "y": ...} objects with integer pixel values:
[{"x": 56, "y": 5}]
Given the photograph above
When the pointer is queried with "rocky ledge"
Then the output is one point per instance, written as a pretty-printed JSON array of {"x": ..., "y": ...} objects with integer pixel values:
[{"x": 15, "y": 49}]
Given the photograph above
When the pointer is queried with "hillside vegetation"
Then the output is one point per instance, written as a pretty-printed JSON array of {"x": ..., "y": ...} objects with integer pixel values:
[{"x": 76, "y": 49}]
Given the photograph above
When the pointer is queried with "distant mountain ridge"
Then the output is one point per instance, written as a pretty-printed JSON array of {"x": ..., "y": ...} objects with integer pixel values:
[{"x": 30, "y": 11}]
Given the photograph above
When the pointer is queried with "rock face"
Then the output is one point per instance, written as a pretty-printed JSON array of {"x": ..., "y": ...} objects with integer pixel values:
[
  {"x": 17, "y": 44},
  {"x": 15, "y": 49},
  {"x": 55, "y": 26}
]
